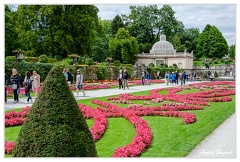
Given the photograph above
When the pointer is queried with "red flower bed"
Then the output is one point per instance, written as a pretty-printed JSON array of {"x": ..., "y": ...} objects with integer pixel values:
[
  {"x": 220, "y": 92},
  {"x": 100, "y": 120},
  {"x": 9, "y": 147}
]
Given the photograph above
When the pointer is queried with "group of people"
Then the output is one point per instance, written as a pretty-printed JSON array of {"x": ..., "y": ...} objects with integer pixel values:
[
  {"x": 145, "y": 75},
  {"x": 122, "y": 79},
  {"x": 79, "y": 80},
  {"x": 174, "y": 77},
  {"x": 31, "y": 82}
]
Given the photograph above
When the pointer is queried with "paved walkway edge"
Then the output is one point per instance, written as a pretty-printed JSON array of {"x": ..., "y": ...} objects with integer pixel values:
[{"x": 221, "y": 143}]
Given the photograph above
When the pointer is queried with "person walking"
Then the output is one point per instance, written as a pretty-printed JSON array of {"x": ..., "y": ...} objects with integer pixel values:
[
  {"x": 79, "y": 83},
  {"x": 69, "y": 77},
  {"x": 167, "y": 77},
  {"x": 173, "y": 78},
  {"x": 125, "y": 79},
  {"x": 36, "y": 83},
  {"x": 143, "y": 75},
  {"x": 6, "y": 84},
  {"x": 158, "y": 75},
  {"x": 184, "y": 77},
  {"x": 120, "y": 79},
  {"x": 148, "y": 77},
  {"x": 28, "y": 86},
  {"x": 65, "y": 74},
  {"x": 15, "y": 80},
  {"x": 176, "y": 77},
  {"x": 194, "y": 76},
  {"x": 181, "y": 78}
]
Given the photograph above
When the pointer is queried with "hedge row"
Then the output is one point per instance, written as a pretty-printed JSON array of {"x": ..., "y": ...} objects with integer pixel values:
[{"x": 93, "y": 72}]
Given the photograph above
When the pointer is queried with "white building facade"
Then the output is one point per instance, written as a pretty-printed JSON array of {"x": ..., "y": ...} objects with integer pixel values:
[{"x": 163, "y": 52}]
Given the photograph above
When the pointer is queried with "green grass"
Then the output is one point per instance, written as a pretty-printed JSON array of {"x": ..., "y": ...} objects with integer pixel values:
[{"x": 171, "y": 138}]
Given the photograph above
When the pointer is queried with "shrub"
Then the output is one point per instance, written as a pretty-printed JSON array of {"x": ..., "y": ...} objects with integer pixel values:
[
  {"x": 10, "y": 58},
  {"x": 31, "y": 59},
  {"x": 43, "y": 58},
  {"x": 41, "y": 68},
  {"x": 89, "y": 61},
  {"x": 116, "y": 63},
  {"x": 55, "y": 128},
  {"x": 215, "y": 74},
  {"x": 101, "y": 72},
  {"x": 65, "y": 62},
  {"x": 151, "y": 65},
  {"x": 52, "y": 60}
]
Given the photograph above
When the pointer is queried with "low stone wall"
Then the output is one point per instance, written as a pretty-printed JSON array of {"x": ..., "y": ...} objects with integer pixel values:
[{"x": 222, "y": 70}]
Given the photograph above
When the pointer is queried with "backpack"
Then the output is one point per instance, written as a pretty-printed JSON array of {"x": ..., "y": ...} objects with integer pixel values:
[
  {"x": 28, "y": 85},
  {"x": 70, "y": 77},
  {"x": 167, "y": 76}
]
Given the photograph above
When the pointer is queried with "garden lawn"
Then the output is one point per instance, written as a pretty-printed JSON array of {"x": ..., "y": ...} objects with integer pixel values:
[{"x": 171, "y": 138}]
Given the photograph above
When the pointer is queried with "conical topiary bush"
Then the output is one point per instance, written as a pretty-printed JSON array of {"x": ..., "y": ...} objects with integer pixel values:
[{"x": 55, "y": 126}]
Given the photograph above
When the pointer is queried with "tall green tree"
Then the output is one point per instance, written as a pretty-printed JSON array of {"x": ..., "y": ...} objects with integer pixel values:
[
  {"x": 11, "y": 35},
  {"x": 178, "y": 46},
  {"x": 146, "y": 22},
  {"x": 116, "y": 24},
  {"x": 123, "y": 47},
  {"x": 57, "y": 30},
  {"x": 100, "y": 47},
  {"x": 211, "y": 43},
  {"x": 232, "y": 51}
]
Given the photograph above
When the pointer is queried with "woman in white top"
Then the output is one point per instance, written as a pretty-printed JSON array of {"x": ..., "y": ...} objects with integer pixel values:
[
  {"x": 79, "y": 83},
  {"x": 36, "y": 83}
]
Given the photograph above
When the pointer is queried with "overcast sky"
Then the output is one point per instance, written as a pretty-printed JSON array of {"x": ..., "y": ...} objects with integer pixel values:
[{"x": 223, "y": 16}]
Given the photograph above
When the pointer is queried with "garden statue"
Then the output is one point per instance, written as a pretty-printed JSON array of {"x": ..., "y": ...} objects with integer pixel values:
[{"x": 206, "y": 63}]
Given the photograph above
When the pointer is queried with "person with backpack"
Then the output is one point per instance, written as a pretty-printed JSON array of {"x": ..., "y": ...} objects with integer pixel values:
[
  {"x": 167, "y": 77},
  {"x": 16, "y": 81},
  {"x": 70, "y": 77},
  {"x": 79, "y": 83},
  {"x": 28, "y": 86}
]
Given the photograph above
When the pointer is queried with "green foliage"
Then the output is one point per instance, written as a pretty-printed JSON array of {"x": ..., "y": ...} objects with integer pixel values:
[
  {"x": 116, "y": 24},
  {"x": 123, "y": 47},
  {"x": 151, "y": 65},
  {"x": 102, "y": 72},
  {"x": 43, "y": 58},
  {"x": 145, "y": 22},
  {"x": 52, "y": 60},
  {"x": 56, "y": 30},
  {"x": 232, "y": 51},
  {"x": 215, "y": 74},
  {"x": 30, "y": 53},
  {"x": 177, "y": 44},
  {"x": 11, "y": 35},
  {"x": 65, "y": 62},
  {"x": 116, "y": 63},
  {"x": 89, "y": 61},
  {"x": 31, "y": 59},
  {"x": 10, "y": 58},
  {"x": 211, "y": 43},
  {"x": 56, "y": 128}
]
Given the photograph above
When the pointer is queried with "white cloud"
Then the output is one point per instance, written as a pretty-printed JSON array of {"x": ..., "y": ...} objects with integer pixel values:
[{"x": 223, "y": 16}]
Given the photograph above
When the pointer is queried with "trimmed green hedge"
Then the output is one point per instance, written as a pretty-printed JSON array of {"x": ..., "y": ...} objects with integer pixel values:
[
  {"x": 55, "y": 128},
  {"x": 41, "y": 68}
]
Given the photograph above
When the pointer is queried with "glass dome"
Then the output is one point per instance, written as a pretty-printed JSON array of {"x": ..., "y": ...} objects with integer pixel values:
[{"x": 162, "y": 46}]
